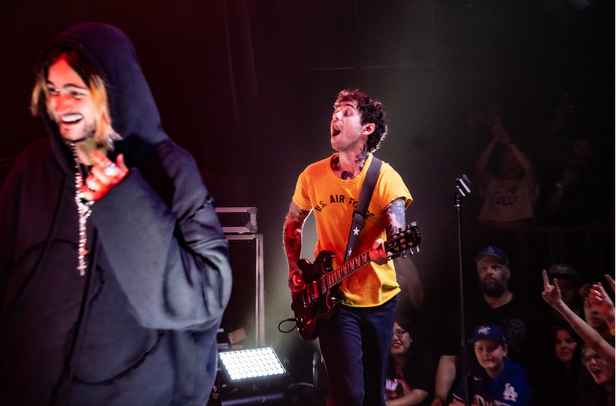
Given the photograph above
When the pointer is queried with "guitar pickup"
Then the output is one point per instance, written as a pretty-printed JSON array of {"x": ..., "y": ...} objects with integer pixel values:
[
  {"x": 315, "y": 290},
  {"x": 311, "y": 293}
]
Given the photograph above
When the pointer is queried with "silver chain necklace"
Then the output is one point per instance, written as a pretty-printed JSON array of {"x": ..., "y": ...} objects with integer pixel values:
[{"x": 84, "y": 210}]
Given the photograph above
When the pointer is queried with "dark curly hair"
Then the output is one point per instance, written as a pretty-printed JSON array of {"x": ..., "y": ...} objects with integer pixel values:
[{"x": 371, "y": 112}]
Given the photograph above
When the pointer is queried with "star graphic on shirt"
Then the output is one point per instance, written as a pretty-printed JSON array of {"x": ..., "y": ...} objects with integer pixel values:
[
  {"x": 350, "y": 252},
  {"x": 356, "y": 231}
]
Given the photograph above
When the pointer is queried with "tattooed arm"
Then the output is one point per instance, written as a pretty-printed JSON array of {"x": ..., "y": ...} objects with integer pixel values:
[
  {"x": 395, "y": 216},
  {"x": 395, "y": 222},
  {"x": 292, "y": 239}
]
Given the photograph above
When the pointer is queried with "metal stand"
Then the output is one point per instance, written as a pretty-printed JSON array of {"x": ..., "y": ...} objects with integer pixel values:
[{"x": 463, "y": 187}]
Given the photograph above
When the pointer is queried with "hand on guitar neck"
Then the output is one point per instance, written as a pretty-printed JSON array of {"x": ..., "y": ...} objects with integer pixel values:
[{"x": 377, "y": 253}]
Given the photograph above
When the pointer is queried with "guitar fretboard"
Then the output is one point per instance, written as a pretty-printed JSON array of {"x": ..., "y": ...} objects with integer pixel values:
[{"x": 335, "y": 277}]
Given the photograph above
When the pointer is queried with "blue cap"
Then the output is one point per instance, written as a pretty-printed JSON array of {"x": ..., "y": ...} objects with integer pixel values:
[
  {"x": 494, "y": 252},
  {"x": 490, "y": 331}
]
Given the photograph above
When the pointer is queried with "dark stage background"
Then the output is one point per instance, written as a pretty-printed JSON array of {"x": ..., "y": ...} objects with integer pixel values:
[{"x": 247, "y": 86}]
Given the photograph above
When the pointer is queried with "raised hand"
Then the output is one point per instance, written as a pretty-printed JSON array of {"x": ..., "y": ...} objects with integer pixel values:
[
  {"x": 551, "y": 293},
  {"x": 610, "y": 280},
  {"x": 103, "y": 176},
  {"x": 600, "y": 300}
]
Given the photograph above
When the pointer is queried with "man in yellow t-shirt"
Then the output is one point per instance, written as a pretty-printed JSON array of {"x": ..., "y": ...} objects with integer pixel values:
[{"x": 355, "y": 341}]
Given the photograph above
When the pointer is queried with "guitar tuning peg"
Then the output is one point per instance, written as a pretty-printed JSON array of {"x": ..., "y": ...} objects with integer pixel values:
[
  {"x": 411, "y": 251},
  {"x": 404, "y": 254},
  {"x": 418, "y": 248}
]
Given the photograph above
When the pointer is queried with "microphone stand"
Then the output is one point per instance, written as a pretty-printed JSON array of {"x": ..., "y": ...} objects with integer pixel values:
[{"x": 463, "y": 187}]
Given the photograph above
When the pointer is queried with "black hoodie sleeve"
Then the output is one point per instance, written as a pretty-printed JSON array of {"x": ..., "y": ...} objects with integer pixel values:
[{"x": 171, "y": 259}]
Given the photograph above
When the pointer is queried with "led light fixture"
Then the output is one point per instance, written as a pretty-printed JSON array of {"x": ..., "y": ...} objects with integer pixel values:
[{"x": 251, "y": 363}]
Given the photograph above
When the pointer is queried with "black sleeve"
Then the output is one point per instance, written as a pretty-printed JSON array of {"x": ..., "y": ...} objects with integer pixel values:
[{"x": 171, "y": 259}]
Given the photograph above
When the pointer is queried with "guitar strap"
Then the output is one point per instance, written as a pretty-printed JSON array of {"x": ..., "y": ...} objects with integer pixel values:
[{"x": 365, "y": 195}]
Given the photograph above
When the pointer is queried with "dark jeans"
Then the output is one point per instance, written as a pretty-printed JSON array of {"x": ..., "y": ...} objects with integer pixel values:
[{"x": 355, "y": 344}]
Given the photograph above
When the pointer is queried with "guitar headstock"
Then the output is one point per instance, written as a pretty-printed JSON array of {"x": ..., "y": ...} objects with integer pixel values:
[{"x": 404, "y": 241}]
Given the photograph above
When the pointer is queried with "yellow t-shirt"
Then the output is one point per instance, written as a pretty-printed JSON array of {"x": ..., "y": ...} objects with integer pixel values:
[{"x": 333, "y": 201}]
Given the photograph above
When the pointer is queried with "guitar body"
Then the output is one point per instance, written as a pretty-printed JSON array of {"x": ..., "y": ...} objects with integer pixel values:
[
  {"x": 310, "y": 305},
  {"x": 316, "y": 302}
]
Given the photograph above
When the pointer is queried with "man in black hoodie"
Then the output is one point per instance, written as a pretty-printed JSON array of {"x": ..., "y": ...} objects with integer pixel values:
[{"x": 114, "y": 271}]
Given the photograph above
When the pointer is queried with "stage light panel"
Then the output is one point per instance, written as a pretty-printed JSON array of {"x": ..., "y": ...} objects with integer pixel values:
[{"x": 251, "y": 363}]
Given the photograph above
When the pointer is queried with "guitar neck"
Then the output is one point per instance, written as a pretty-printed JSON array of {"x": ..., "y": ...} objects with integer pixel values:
[{"x": 347, "y": 269}]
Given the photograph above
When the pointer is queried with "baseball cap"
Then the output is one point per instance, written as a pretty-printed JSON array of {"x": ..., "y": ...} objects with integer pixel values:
[
  {"x": 490, "y": 331},
  {"x": 495, "y": 252},
  {"x": 564, "y": 271}
]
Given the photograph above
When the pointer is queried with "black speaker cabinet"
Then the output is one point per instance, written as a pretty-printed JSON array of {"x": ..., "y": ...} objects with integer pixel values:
[{"x": 243, "y": 324}]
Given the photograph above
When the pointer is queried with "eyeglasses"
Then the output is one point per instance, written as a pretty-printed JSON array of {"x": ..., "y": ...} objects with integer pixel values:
[{"x": 588, "y": 358}]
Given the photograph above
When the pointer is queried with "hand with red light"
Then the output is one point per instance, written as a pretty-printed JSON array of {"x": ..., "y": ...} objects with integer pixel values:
[
  {"x": 296, "y": 282},
  {"x": 377, "y": 253},
  {"x": 600, "y": 300},
  {"x": 103, "y": 176}
]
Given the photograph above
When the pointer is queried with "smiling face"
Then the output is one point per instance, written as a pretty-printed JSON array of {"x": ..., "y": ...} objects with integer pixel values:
[
  {"x": 70, "y": 102},
  {"x": 601, "y": 372},
  {"x": 346, "y": 130},
  {"x": 490, "y": 354},
  {"x": 400, "y": 341},
  {"x": 565, "y": 346},
  {"x": 493, "y": 276}
]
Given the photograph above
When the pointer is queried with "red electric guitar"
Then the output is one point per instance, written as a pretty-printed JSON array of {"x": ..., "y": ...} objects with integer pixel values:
[{"x": 316, "y": 301}]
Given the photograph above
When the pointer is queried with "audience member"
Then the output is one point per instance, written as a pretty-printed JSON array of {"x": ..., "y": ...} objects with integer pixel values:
[
  {"x": 410, "y": 373},
  {"x": 569, "y": 281},
  {"x": 603, "y": 375},
  {"x": 576, "y": 188},
  {"x": 515, "y": 315},
  {"x": 593, "y": 316},
  {"x": 510, "y": 189},
  {"x": 561, "y": 373},
  {"x": 601, "y": 302},
  {"x": 410, "y": 298},
  {"x": 566, "y": 119},
  {"x": 498, "y": 381},
  {"x": 592, "y": 337}
]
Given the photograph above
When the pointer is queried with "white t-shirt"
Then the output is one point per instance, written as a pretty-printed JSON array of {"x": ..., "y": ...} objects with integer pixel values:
[{"x": 507, "y": 200}]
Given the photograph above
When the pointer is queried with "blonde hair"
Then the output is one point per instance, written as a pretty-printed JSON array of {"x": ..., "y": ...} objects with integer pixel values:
[{"x": 104, "y": 133}]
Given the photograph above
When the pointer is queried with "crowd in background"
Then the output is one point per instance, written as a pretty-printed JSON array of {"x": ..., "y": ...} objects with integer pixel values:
[{"x": 515, "y": 349}]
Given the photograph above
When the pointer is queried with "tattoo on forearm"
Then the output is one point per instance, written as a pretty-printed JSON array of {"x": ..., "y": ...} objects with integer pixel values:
[
  {"x": 395, "y": 216},
  {"x": 292, "y": 232}
]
